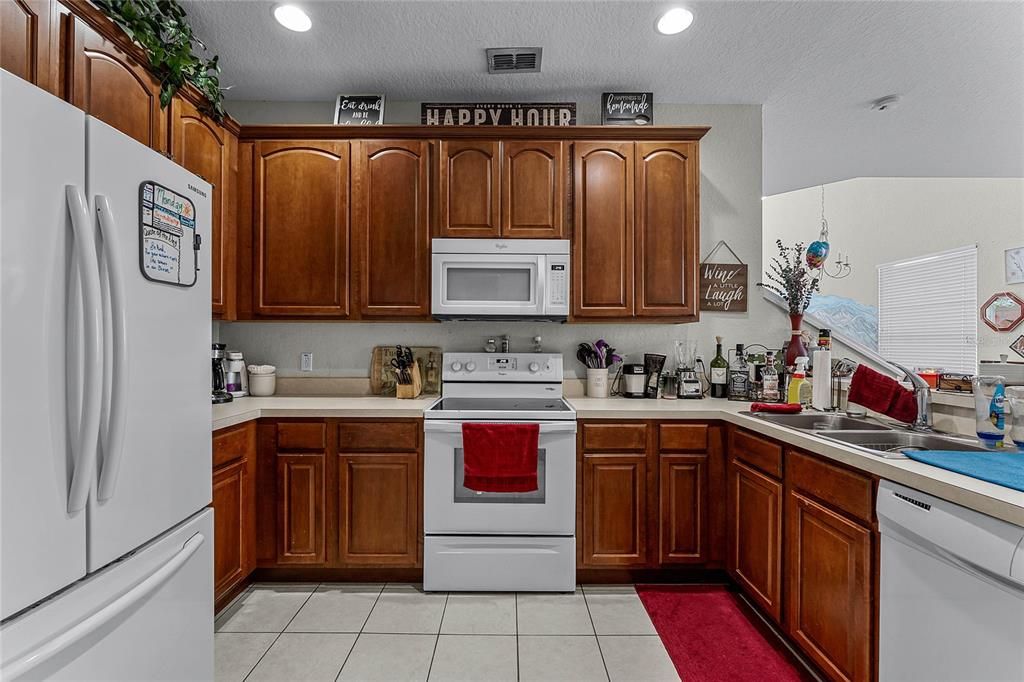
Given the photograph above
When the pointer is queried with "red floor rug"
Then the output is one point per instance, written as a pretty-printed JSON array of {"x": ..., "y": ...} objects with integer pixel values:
[{"x": 712, "y": 636}]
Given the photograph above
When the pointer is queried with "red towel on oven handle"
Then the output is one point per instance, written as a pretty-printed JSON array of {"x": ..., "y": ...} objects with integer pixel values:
[
  {"x": 500, "y": 458},
  {"x": 883, "y": 394}
]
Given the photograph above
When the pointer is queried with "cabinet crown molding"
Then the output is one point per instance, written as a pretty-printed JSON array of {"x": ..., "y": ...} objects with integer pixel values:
[{"x": 421, "y": 132}]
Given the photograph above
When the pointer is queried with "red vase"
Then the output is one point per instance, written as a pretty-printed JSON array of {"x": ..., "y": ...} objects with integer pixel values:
[{"x": 796, "y": 346}]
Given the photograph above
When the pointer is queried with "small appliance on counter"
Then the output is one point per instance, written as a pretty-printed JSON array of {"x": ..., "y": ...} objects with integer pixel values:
[
  {"x": 688, "y": 381},
  {"x": 219, "y": 393},
  {"x": 236, "y": 379},
  {"x": 634, "y": 379}
]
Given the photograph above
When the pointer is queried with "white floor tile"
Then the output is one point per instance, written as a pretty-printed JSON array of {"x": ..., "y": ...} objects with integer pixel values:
[
  {"x": 265, "y": 608},
  {"x": 389, "y": 658},
  {"x": 480, "y": 614},
  {"x": 236, "y": 653},
  {"x": 337, "y": 607},
  {"x": 304, "y": 656},
  {"x": 639, "y": 659},
  {"x": 469, "y": 658},
  {"x": 618, "y": 611},
  {"x": 405, "y": 609},
  {"x": 560, "y": 659},
  {"x": 553, "y": 614}
]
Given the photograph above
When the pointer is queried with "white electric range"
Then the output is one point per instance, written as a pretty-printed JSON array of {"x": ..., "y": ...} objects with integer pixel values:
[{"x": 476, "y": 541}]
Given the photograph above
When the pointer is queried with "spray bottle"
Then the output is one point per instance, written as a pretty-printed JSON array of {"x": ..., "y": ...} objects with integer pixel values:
[{"x": 797, "y": 380}]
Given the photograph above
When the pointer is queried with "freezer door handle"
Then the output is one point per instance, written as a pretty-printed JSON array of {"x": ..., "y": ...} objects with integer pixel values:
[
  {"x": 84, "y": 444},
  {"x": 97, "y": 620},
  {"x": 115, "y": 374}
]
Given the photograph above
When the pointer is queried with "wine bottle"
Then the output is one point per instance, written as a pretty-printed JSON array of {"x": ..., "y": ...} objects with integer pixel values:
[{"x": 719, "y": 372}]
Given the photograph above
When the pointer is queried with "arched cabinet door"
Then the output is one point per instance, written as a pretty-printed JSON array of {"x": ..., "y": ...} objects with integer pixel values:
[
  {"x": 534, "y": 177},
  {"x": 25, "y": 35},
  {"x": 602, "y": 261},
  {"x": 301, "y": 228},
  {"x": 109, "y": 84},
  {"x": 667, "y": 211},
  {"x": 391, "y": 231},
  {"x": 468, "y": 182},
  {"x": 209, "y": 151}
]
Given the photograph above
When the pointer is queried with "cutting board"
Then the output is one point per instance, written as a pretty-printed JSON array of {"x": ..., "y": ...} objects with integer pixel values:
[{"x": 382, "y": 375}]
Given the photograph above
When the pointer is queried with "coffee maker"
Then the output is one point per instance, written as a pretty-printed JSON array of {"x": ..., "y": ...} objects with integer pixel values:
[
  {"x": 688, "y": 384},
  {"x": 218, "y": 381},
  {"x": 634, "y": 379}
]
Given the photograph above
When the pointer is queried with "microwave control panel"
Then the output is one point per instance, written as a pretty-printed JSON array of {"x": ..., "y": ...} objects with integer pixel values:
[{"x": 558, "y": 283}]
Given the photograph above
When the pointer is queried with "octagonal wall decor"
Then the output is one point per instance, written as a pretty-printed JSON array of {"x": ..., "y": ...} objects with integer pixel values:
[{"x": 1003, "y": 311}]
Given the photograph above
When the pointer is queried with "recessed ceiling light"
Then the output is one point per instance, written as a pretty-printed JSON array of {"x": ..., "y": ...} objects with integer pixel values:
[
  {"x": 674, "y": 21},
  {"x": 292, "y": 18}
]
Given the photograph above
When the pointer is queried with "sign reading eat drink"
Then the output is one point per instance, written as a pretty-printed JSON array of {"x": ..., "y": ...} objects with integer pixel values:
[{"x": 507, "y": 114}]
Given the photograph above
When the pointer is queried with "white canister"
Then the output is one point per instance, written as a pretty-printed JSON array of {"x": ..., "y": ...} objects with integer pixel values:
[
  {"x": 597, "y": 382},
  {"x": 262, "y": 384}
]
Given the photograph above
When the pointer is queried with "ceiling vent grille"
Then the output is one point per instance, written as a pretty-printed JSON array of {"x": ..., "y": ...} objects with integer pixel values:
[{"x": 513, "y": 59}]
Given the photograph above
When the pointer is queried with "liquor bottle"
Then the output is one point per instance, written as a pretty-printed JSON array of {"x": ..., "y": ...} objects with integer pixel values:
[
  {"x": 719, "y": 372},
  {"x": 739, "y": 376},
  {"x": 770, "y": 379}
]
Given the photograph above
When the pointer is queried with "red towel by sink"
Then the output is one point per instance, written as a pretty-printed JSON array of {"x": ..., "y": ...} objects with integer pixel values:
[
  {"x": 500, "y": 458},
  {"x": 882, "y": 394}
]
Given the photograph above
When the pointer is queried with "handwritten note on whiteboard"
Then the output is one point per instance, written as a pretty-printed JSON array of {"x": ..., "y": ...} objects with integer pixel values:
[{"x": 168, "y": 248}]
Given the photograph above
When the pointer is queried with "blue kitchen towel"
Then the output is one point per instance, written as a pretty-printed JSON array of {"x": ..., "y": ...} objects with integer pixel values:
[{"x": 1001, "y": 468}]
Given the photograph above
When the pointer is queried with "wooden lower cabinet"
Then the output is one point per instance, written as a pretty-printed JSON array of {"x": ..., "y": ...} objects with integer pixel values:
[
  {"x": 682, "y": 517},
  {"x": 301, "y": 509},
  {"x": 754, "y": 535},
  {"x": 614, "y": 518},
  {"x": 829, "y": 588},
  {"x": 379, "y": 506},
  {"x": 234, "y": 513}
]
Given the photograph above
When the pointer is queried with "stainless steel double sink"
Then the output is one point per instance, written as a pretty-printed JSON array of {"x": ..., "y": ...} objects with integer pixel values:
[{"x": 869, "y": 435}]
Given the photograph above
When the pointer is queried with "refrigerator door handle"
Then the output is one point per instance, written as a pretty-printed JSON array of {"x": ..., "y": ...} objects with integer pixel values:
[
  {"x": 97, "y": 620},
  {"x": 84, "y": 445},
  {"x": 116, "y": 374}
]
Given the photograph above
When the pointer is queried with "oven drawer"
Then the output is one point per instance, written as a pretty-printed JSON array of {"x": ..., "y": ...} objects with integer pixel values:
[{"x": 499, "y": 564}]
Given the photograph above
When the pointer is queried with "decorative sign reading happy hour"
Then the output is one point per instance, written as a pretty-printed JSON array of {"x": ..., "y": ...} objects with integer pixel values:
[
  {"x": 508, "y": 114},
  {"x": 723, "y": 286}
]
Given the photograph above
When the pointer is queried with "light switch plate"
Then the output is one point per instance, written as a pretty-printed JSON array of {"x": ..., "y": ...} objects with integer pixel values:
[{"x": 306, "y": 363}]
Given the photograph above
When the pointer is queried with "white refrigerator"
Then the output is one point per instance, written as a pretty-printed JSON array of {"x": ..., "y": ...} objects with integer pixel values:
[{"x": 106, "y": 541}]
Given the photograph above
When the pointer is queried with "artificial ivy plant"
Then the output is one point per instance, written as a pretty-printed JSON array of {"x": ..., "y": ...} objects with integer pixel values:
[{"x": 161, "y": 28}]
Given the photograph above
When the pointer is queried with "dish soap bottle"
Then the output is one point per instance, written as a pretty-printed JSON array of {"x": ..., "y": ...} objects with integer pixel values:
[{"x": 797, "y": 382}]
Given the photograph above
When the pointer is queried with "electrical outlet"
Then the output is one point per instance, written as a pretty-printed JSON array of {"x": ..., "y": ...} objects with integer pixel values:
[{"x": 306, "y": 363}]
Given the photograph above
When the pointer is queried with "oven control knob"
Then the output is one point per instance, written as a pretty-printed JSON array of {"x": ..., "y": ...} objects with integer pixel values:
[
  {"x": 534, "y": 368},
  {"x": 470, "y": 366},
  {"x": 456, "y": 366}
]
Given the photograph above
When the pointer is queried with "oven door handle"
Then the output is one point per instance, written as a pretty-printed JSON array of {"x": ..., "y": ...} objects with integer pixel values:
[{"x": 439, "y": 426}]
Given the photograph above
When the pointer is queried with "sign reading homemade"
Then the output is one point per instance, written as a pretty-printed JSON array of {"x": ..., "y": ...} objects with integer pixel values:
[
  {"x": 627, "y": 108},
  {"x": 508, "y": 114},
  {"x": 359, "y": 110}
]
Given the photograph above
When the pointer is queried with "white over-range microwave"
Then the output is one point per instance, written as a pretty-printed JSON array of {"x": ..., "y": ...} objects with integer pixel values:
[{"x": 500, "y": 279}]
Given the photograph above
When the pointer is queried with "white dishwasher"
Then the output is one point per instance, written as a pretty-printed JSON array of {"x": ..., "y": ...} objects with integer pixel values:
[{"x": 951, "y": 591}]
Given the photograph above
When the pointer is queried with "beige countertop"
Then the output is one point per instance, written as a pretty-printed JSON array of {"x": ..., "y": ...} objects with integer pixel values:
[{"x": 994, "y": 500}]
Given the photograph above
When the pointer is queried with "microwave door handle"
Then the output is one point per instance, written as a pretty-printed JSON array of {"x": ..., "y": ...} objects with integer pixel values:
[{"x": 542, "y": 274}]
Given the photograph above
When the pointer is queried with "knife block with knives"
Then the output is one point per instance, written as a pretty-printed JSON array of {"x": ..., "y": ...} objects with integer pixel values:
[{"x": 415, "y": 387}]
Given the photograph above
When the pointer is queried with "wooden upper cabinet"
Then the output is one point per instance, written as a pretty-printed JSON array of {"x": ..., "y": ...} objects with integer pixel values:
[
  {"x": 534, "y": 176},
  {"x": 614, "y": 521},
  {"x": 301, "y": 228},
  {"x": 379, "y": 504},
  {"x": 25, "y": 41},
  {"x": 602, "y": 262},
  {"x": 828, "y": 565},
  {"x": 667, "y": 222},
  {"x": 111, "y": 85},
  {"x": 209, "y": 151},
  {"x": 468, "y": 179},
  {"x": 391, "y": 230},
  {"x": 755, "y": 535}
]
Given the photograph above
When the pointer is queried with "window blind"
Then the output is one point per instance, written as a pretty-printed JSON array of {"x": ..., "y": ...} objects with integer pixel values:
[{"x": 928, "y": 311}]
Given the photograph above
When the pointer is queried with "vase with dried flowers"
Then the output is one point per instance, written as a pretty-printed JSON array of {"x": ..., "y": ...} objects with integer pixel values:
[{"x": 790, "y": 278}]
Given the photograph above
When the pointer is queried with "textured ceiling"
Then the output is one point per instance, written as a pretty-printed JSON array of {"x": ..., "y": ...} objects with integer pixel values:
[{"x": 814, "y": 65}]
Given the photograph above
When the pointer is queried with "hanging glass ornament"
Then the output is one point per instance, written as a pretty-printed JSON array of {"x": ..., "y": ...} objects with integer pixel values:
[{"x": 817, "y": 252}]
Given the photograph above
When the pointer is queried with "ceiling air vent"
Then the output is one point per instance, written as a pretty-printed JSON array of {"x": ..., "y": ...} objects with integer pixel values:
[{"x": 513, "y": 59}]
